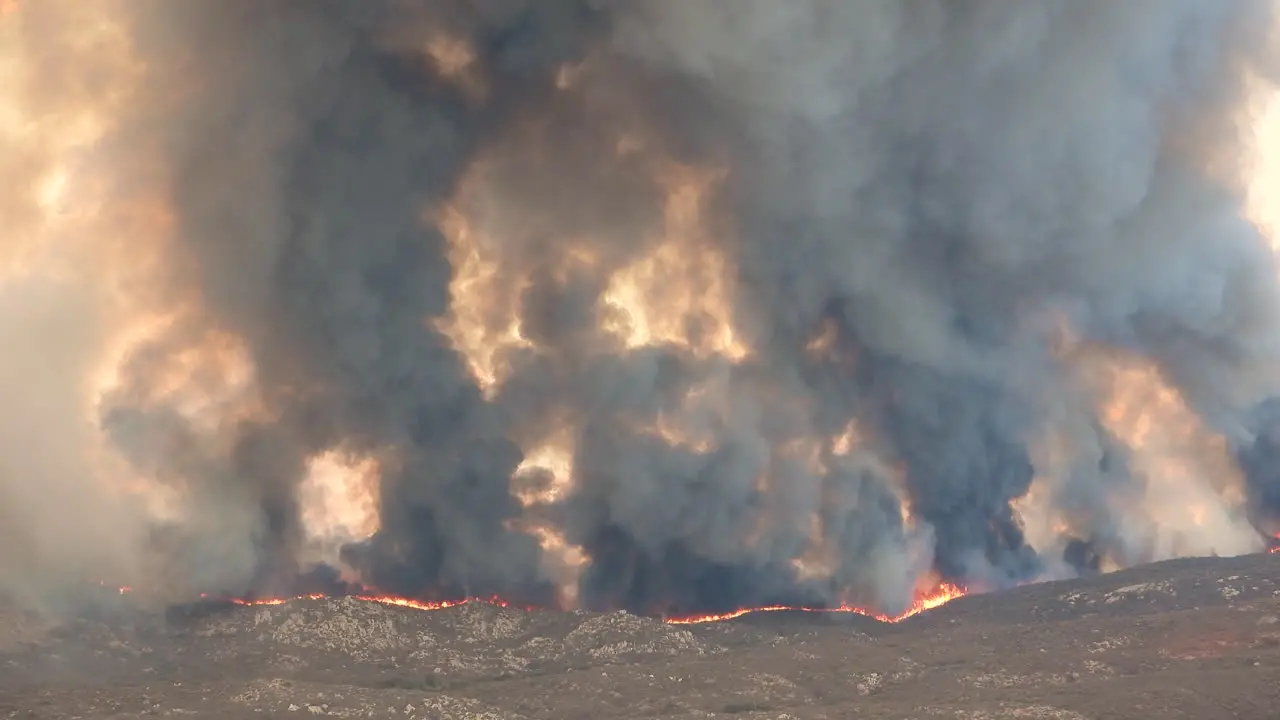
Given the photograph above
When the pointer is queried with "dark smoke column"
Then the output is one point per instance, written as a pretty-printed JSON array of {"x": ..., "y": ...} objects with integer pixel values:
[{"x": 779, "y": 283}]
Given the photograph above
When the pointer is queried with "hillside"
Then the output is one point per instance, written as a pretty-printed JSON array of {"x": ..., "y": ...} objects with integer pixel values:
[{"x": 1195, "y": 639}]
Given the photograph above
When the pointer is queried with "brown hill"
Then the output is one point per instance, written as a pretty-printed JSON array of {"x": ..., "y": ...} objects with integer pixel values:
[{"x": 1195, "y": 639}]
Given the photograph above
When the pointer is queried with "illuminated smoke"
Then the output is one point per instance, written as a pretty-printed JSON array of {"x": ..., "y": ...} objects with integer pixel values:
[
  {"x": 338, "y": 504},
  {"x": 671, "y": 306}
]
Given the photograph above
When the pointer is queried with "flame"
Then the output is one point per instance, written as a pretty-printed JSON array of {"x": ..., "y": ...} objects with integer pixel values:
[
  {"x": 393, "y": 600},
  {"x": 680, "y": 292},
  {"x": 941, "y": 595}
]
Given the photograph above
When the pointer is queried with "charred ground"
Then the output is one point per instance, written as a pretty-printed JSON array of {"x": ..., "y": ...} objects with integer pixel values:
[{"x": 1183, "y": 639}]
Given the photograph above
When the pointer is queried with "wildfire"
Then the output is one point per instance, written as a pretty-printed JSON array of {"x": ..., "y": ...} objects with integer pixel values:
[
  {"x": 940, "y": 596},
  {"x": 366, "y": 597},
  {"x": 381, "y": 599}
]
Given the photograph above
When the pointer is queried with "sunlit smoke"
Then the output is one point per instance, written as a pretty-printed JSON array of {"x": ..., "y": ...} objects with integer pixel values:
[
  {"x": 1186, "y": 494},
  {"x": 483, "y": 323},
  {"x": 1263, "y": 198},
  {"x": 679, "y": 293},
  {"x": 339, "y": 497},
  {"x": 79, "y": 255},
  {"x": 543, "y": 479}
]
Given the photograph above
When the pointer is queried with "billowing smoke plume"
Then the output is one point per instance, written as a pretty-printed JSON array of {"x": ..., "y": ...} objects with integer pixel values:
[{"x": 660, "y": 304}]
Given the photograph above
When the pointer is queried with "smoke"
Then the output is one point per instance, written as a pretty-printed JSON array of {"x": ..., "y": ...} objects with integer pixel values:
[{"x": 660, "y": 305}]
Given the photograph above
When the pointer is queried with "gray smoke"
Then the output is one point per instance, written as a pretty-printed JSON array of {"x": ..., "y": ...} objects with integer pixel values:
[{"x": 940, "y": 186}]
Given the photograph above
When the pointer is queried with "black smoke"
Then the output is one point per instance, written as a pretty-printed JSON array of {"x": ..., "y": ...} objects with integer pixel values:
[{"x": 935, "y": 183}]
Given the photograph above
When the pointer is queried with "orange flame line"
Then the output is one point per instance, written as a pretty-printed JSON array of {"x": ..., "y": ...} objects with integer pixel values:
[
  {"x": 383, "y": 599},
  {"x": 944, "y": 594},
  {"x": 940, "y": 596}
]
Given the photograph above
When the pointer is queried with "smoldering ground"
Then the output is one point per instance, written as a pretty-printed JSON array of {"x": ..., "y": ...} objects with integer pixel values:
[{"x": 677, "y": 305}]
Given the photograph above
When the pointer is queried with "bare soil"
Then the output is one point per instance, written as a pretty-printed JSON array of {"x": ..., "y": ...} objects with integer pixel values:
[{"x": 1194, "y": 639}]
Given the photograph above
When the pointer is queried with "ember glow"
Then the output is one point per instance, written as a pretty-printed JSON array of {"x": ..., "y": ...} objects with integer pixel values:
[{"x": 634, "y": 305}]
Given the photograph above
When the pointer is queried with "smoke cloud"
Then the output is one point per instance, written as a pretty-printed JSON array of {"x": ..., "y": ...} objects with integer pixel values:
[{"x": 664, "y": 305}]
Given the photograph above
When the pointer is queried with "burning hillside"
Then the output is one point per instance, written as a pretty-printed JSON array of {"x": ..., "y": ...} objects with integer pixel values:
[
  {"x": 939, "y": 595},
  {"x": 673, "y": 307},
  {"x": 942, "y": 595},
  {"x": 1196, "y": 637}
]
